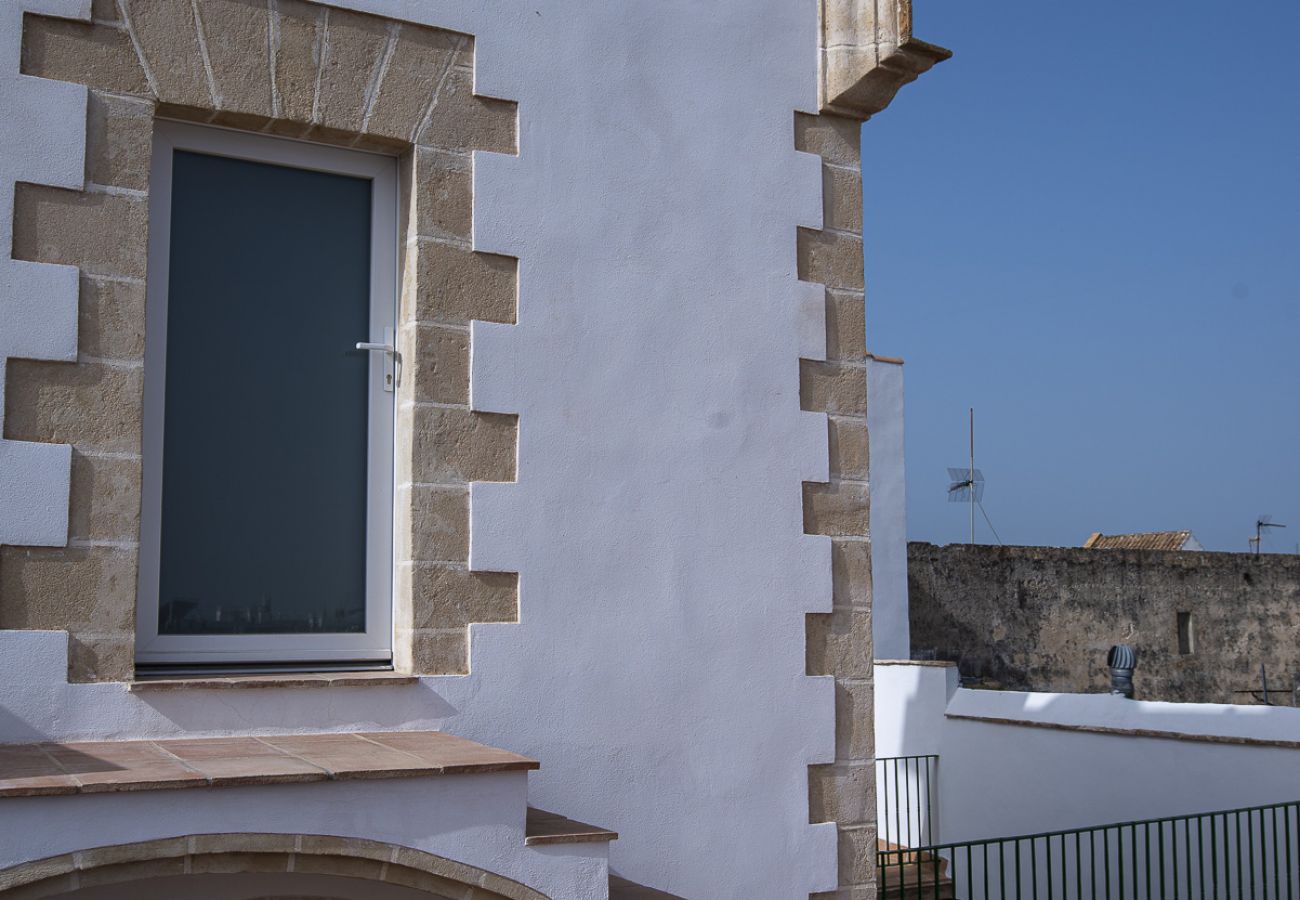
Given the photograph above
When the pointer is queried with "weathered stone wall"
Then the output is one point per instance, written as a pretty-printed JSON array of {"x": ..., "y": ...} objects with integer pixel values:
[{"x": 1042, "y": 618}]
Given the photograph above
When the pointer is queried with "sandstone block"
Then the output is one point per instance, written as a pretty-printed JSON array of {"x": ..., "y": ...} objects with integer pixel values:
[
  {"x": 854, "y": 736},
  {"x": 833, "y": 387},
  {"x": 455, "y": 284},
  {"x": 119, "y": 141},
  {"x": 452, "y": 445},
  {"x": 435, "y": 523},
  {"x": 844, "y": 794},
  {"x": 236, "y": 32},
  {"x": 87, "y": 405},
  {"x": 169, "y": 42},
  {"x": 443, "y": 194},
  {"x": 298, "y": 29},
  {"x": 101, "y": 657},
  {"x": 460, "y": 120},
  {"x": 835, "y": 139},
  {"x": 352, "y": 51},
  {"x": 437, "y": 363},
  {"x": 101, "y": 233},
  {"x": 842, "y": 198},
  {"x": 110, "y": 318},
  {"x": 849, "y": 448},
  {"x": 846, "y": 331},
  {"x": 447, "y": 597},
  {"x": 851, "y": 573},
  {"x": 831, "y": 258},
  {"x": 419, "y": 58},
  {"x": 105, "y": 499},
  {"x": 100, "y": 56},
  {"x": 836, "y": 509},
  {"x": 437, "y": 652},
  {"x": 839, "y": 644},
  {"x": 88, "y": 589}
]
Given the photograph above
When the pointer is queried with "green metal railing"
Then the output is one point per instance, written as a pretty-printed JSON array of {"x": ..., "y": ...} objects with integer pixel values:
[
  {"x": 906, "y": 799},
  {"x": 1251, "y": 854}
]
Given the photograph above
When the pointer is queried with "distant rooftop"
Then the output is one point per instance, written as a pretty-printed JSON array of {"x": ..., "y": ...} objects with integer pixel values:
[{"x": 1146, "y": 540}]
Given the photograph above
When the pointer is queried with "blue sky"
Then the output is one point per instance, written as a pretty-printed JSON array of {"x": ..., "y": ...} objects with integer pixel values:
[{"x": 1086, "y": 225}]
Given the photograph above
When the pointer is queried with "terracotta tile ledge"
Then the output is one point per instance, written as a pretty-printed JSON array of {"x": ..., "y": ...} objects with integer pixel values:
[
  {"x": 552, "y": 828},
  {"x": 275, "y": 680},
  {"x": 53, "y": 769}
]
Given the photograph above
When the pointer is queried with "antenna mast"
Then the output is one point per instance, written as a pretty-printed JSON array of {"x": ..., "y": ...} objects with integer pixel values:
[{"x": 972, "y": 474}]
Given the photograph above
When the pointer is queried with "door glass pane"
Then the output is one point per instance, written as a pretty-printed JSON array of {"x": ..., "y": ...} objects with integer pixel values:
[{"x": 265, "y": 425}]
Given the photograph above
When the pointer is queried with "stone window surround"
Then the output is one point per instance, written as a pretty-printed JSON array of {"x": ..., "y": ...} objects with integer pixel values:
[{"x": 145, "y": 58}]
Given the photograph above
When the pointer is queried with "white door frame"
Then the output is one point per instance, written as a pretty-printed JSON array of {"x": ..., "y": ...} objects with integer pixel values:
[{"x": 375, "y": 644}]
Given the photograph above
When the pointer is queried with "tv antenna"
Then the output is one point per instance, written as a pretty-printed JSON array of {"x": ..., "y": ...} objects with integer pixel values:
[
  {"x": 967, "y": 485},
  {"x": 1260, "y": 524}
]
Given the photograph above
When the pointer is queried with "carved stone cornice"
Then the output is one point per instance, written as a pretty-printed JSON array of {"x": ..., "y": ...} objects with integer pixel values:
[{"x": 868, "y": 53}]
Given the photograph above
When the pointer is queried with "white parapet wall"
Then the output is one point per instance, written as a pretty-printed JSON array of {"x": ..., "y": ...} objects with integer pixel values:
[
  {"x": 890, "y": 632},
  {"x": 1014, "y": 763}
]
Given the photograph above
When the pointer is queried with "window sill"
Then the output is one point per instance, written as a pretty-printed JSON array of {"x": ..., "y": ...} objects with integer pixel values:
[{"x": 286, "y": 680}]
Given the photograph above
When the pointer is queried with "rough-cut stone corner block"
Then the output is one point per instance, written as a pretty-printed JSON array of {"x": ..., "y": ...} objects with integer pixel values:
[
  {"x": 236, "y": 32},
  {"x": 842, "y": 199},
  {"x": 851, "y": 573},
  {"x": 438, "y": 526},
  {"x": 846, "y": 330},
  {"x": 857, "y": 855},
  {"x": 849, "y": 448},
  {"x": 460, "y": 120},
  {"x": 110, "y": 319},
  {"x": 436, "y": 360},
  {"x": 839, "y": 644},
  {"x": 119, "y": 141},
  {"x": 452, "y": 445},
  {"x": 854, "y": 721},
  {"x": 831, "y": 258},
  {"x": 90, "y": 589},
  {"x": 99, "y": 56},
  {"x": 446, "y": 597},
  {"x": 836, "y": 139},
  {"x": 100, "y": 233},
  {"x": 169, "y": 43},
  {"x": 105, "y": 499},
  {"x": 353, "y": 51},
  {"x": 419, "y": 54},
  {"x": 443, "y": 193},
  {"x": 843, "y": 794},
  {"x": 440, "y": 652},
  {"x": 296, "y": 54},
  {"x": 96, "y": 658},
  {"x": 455, "y": 284},
  {"x": 87, "y": 405},
  {"x": 833, "y": 387},
  {"x": 838, "y": 509}
]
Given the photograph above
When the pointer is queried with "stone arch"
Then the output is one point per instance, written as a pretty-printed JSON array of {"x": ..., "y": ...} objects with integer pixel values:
[
  {"x": 291, "y": 69},
  {"x": 210, "y": 854}
]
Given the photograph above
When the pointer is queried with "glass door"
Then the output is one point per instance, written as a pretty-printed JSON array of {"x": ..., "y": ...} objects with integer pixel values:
[{"x": 267, "y": 520}]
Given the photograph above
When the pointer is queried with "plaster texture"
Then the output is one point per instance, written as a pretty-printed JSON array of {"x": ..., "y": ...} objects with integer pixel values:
[
  {"x": 1042, "y": 618},
  {"x": 891, "y": 637},
  {"x": 657, "y": 668}
]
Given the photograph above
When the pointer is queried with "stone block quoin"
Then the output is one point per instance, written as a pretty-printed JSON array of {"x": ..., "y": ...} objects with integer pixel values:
[
  {"x": 291, "y": 69},
  {"x": 839, "y": 642}
]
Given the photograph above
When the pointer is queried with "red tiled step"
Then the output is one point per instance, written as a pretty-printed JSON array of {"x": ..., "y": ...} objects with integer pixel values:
[
  {"x": 30, "y": 770},
  {"x": 622, "y": 889}
]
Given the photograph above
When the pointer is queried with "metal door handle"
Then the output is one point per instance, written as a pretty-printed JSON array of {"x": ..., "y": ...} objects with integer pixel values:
[{"x": 392, "y": 359}]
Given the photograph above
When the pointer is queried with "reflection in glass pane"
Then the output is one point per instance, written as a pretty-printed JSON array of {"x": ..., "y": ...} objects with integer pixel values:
[{"x": 265, "y": 424}]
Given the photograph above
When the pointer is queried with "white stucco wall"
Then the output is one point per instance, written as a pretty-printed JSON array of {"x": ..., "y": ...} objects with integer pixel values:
[
  {"x": 1003, "y": 771},
  {"x": 657, "y": 670},
  {"x": 891, "y": 632}
]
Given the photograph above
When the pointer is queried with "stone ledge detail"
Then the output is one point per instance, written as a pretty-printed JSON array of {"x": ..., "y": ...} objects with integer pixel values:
[
  {"x": 868, "y": 54},
  {"x": 283, "y": 68},
  {"x": 223, "y": 853}
]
